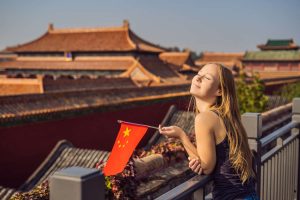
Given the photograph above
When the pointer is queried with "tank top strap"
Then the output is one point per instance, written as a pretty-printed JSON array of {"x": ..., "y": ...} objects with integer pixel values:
[{"x": 223, "y": 120}]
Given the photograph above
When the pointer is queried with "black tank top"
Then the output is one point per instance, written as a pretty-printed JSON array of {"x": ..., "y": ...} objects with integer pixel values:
[{"x": 227, "y": 184}]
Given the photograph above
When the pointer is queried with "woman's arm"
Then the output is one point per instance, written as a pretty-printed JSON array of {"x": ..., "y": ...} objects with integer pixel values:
[
  {"x": 204, "y": 130},
  {"x": 189, "y": 146},
  {"x": 205, "y": 139},
  {"x": 177, "y": 132}
]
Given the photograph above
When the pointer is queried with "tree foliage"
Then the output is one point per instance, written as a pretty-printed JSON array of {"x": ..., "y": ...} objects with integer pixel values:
[
  {"x": 290, "y": 91},
  {"x": 251, "y": 97}
]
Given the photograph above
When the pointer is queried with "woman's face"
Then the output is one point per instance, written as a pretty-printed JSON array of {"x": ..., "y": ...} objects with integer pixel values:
[{"x": 205, "y": 84}]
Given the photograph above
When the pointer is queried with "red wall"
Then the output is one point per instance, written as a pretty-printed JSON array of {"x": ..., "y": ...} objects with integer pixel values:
[{"x": 24, "y": 147}]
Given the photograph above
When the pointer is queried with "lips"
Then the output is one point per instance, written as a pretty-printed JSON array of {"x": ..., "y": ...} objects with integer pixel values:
[{"x": 196, "y": 85}]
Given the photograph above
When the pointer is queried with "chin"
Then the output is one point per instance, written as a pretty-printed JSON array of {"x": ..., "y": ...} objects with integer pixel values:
[{"x": 193, "y": 91}]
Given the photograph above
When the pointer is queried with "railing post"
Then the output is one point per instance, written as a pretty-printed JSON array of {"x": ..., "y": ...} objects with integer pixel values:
[
  {"x": 199, "y": 194},
  {"x": 77, "y": 183},
  {"x": 296, "y": 117},
  {"x": 252, "y": 123},
  {"x": 296, "y": 109}
]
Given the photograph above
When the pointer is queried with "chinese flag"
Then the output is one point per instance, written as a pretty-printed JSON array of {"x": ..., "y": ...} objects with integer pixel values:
[{"x": 128, "y": 137}]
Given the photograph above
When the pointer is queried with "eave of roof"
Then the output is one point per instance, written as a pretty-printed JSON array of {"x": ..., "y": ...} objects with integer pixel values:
[
  {"x": 72, "y": 102},
  {"x": 272, "y": 56},
  {"x": 105, "y": 63}
]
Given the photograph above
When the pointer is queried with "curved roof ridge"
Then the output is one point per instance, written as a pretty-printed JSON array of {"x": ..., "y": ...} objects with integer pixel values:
[
  {"x": 136, "y": 39},
  {"x": 88, "y": 39},
  {"x": 86, "y": 30},
  {"x": 184, "y": 53},
  {"x": 126, "y": 27},
  {"x": 222, "y": 53},
  {"x": 12, "y": 48}
]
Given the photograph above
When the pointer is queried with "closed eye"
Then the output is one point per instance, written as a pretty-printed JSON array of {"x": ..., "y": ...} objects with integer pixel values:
[{"x": 204, "y": 76}]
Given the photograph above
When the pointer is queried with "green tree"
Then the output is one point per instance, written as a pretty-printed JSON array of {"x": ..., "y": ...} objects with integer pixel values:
[
  {"x": 290, "y": 91},
  {"x": 251, "y": 97}
]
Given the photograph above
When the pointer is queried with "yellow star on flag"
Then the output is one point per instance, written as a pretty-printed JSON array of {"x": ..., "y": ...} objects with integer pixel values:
[{"x": 126, "y": 132}]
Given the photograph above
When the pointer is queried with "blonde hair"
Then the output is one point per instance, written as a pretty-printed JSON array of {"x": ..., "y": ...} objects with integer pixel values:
[{"x": 226, "y": 106}]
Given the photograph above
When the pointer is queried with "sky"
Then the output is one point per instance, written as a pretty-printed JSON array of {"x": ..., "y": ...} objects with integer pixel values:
[{"x": 199, "y": 25}]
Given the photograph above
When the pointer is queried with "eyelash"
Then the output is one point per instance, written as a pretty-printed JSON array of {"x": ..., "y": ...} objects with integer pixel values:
[{"x": 204, "y": 76}]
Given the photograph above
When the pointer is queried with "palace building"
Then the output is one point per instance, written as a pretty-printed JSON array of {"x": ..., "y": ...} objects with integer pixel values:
[
  {"x": 275, "y": 56},
  {"x": 231, "y": 60},
  {"x": 83, "y": 54}
]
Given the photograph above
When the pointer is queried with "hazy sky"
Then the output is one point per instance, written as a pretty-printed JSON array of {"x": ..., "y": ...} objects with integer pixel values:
[{"x": 210, "y": 25}]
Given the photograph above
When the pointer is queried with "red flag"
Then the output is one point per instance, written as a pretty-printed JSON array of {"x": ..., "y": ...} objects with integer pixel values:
[{"x": 128, "y": 137}]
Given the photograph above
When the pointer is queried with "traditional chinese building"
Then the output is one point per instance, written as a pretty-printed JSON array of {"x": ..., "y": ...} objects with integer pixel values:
[
  {"x": 181, "y": 62},
  {"x": 274, "y": 45},
  {"x": 80, "y": 52},
  {"x": 277, "y": 64},
  {"x": 90, "y": 53},
  {"x": 275, "y": 56},
  {"x": 231, "y": 60}
]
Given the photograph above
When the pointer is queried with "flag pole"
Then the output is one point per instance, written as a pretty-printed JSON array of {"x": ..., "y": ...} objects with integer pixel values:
[{"x": 120, "y": 121}]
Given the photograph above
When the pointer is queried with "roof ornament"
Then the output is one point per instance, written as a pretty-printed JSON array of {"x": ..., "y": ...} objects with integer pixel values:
[
  {"x": 126, "y": 23},
  {"x": 50, "y": 27},
  {"x": 187, "y": 50}
]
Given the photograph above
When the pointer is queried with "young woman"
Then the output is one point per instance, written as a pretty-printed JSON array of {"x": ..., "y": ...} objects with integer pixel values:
[{"x": 221, "y": 140}]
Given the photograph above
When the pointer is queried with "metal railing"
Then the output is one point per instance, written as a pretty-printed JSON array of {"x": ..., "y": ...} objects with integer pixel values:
[
  {"x": 277, "y": 152},
  {"x": 193, "y": 188}
]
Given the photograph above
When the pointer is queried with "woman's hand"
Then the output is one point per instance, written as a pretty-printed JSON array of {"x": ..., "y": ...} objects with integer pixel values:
[
  {"x": 195, "y": 165},
  {"x": 171, "y": 131}
]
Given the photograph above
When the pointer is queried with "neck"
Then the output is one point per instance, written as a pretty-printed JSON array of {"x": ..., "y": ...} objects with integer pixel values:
[{"x": 203, "y": 105}]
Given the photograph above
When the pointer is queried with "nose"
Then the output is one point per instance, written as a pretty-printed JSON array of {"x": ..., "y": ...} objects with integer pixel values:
[{"x": 199, "y": 78}]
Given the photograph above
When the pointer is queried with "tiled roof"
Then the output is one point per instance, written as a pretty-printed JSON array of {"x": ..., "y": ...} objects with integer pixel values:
[
  {"x": 180, "y": 61},
  {"x": 65, "y": 84},
  {"x": 6, "y": 193},
  {"x": 285, "y": 44},
  {"x": 157, "y": 67},
  {"x": 105, "y": 63},
  {"x": 87, "y": 40},
  {"x": 277, "y": 74},
  {"x": 63, "y": 155},
  {"x": 176, "y": 58},
  {"x": 181, "y": 118},
  {"x": 152, "y": 63},
  {"x": 227, "y": 59},
  {"x": 143, "y": 45},
  {"x": 272, "y": 56},
  {"x": 279, "y": 42},
  {"x": 14, "y": 108}
]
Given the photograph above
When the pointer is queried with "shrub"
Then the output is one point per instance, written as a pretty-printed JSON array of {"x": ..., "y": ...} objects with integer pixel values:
[
  {"x": 290, "y": 91},
  {"x": 251, "y": 97}
]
